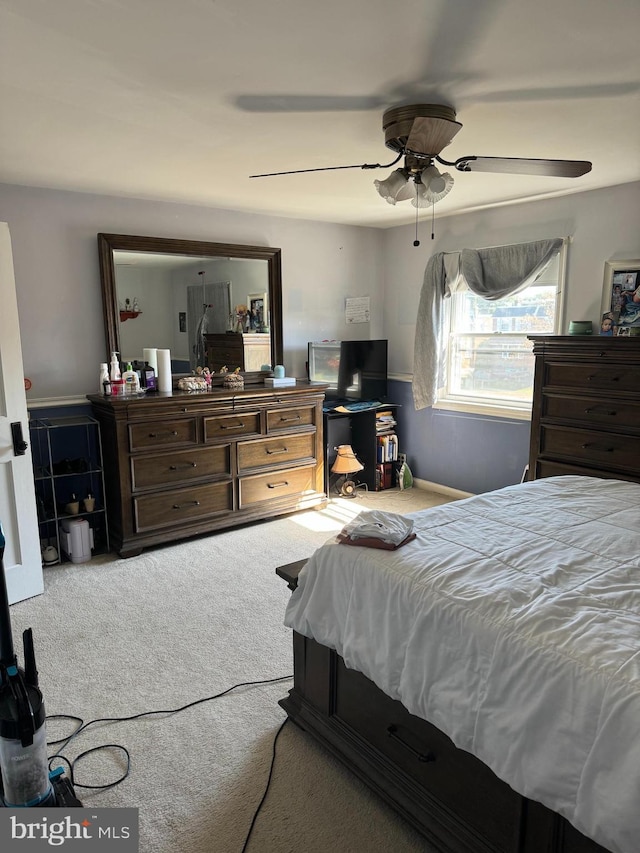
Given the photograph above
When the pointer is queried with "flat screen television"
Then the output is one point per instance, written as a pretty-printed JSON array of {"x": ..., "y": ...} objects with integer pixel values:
[{"x": 354, "y": 370}]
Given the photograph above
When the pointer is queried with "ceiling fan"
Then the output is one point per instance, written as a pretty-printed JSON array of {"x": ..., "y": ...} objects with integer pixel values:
[{"x": 419, "y": 133}]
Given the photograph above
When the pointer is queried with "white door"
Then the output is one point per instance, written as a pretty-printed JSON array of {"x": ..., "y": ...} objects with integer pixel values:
[{"x": 18, "y": 516}]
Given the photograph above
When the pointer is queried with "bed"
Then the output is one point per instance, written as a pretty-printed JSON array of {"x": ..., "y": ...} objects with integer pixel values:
[{"x": 485, "y": 678}]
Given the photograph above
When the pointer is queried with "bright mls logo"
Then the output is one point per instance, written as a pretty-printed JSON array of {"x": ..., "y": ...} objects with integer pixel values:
[{"x": 83, "y": 830}]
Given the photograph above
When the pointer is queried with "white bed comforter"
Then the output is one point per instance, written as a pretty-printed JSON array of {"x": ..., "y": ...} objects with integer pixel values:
[{"x": 512, "y": 623}]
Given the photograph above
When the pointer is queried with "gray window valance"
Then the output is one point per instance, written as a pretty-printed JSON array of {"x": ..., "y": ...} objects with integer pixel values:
[{"x": 492, "y": 273}]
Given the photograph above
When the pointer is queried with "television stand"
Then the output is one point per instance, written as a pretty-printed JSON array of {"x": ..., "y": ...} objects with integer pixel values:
[{"x": 361, "y": 429}]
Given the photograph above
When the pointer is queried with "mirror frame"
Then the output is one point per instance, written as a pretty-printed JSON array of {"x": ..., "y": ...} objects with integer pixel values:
[{"x": 107, "y": 243}]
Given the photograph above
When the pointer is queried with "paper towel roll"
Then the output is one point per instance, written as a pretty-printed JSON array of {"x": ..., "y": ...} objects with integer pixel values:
[
  {"x": 164, "y": 370},
  {"x": 150, "y": 355}
]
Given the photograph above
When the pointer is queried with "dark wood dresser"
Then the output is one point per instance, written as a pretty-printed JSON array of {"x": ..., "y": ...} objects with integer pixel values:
[
  {"x": 181, "y": 464},
  {"x": 586, "y": 407},
  {"x": 246, "y": 351}
]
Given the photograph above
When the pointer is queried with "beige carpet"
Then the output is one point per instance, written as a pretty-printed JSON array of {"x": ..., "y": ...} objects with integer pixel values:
[{"x": 118, "y": 637}]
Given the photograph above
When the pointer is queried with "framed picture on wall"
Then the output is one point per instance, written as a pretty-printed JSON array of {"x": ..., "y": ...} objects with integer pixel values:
[
  {"x": 257, "y": 311},
  {"x": 621, "y": 295}
]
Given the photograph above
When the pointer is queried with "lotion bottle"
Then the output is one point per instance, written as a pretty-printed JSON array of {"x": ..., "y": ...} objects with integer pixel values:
[
  {"x": 131, "y": 380},
  {"x": 115, "y": 367}
]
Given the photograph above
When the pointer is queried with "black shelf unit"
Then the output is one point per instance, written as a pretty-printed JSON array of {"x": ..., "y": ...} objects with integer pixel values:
[
  {"x": 358, "y": 428},
  {"x": 67, "y": 460}
]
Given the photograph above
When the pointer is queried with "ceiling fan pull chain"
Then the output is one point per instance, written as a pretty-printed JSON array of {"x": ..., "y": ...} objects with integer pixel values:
[
  {"x": 433, "y": 219},
  {"x": 416, "y": 242}
]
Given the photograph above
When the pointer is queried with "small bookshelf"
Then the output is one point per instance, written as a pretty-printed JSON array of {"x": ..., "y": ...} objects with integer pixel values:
[{"x": 372, "y": 434}]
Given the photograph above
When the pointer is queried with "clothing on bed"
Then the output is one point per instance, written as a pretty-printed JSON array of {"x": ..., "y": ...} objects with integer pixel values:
[
  {"x": 512, "y": 623},
  {"x": 386, "y": 526},
  {"x": 373, "y": 542},
  {"x": 386, "y": 530}
]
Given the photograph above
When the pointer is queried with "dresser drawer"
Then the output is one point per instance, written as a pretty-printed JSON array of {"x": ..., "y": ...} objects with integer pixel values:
[
  {"x": 150, "y": 434},
  {"x": 618, "y": 414},
  {"x": 277, "y": 484},
  {"x": 179, "y": 466},
  {"x": 225, "y": 356},
  {"x": 276, "y": 451},
  {"x": 182, "y": 506},
  {"x": 589, "y": 446},
  {"x": 226, "y": 426},
  {"x": 288, "y": 418},
  {"x": 549, "y": 468},
  {"x": 604, "y": 377},
  {"x": 429, "y": 757}
]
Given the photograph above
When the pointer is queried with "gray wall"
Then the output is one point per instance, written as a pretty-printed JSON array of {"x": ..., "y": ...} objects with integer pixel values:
[
  {"x": 471, "y": 452},
  {"x": 56, "y": 266},
  {"x": 55, "y": 258},
  {"x": 603, "y": 224}
]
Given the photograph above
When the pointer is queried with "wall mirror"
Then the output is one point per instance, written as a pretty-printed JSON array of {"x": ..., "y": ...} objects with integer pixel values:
[{"x": 182, "y": 295}]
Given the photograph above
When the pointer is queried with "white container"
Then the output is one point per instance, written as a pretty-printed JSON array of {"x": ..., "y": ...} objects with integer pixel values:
[
  {"x": 150, "y": 355},
  {"x": 104, "y": 382},
  {"x": 76, "y": 539},
  {"x": 164, "y": 371},
  {"x": 114, "y": 370}
]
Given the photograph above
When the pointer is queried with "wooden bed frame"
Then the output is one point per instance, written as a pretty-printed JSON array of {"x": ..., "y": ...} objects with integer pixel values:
[
  {"x": 447, "y": 794},
  {"x": 585, "y": 418}
]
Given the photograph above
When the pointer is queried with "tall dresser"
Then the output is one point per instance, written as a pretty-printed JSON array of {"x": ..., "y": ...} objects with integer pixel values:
[
  {"x": 181, "y": 464},
  {"x": 586, "y": 407},
  {"x": 246, "y": 351}
]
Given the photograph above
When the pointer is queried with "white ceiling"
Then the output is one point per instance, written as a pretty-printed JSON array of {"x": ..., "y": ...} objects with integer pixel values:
[{"x": 182, "y": 100}]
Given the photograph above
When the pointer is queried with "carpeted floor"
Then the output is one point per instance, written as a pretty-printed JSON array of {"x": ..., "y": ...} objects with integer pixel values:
[{"x": 180, "y": 623}]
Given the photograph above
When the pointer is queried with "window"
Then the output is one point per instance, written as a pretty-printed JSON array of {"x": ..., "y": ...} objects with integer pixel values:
[{"x": 489, "y": 360}]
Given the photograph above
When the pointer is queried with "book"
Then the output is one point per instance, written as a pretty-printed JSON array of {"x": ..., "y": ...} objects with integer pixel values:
[{"x": 281, "y": 382}]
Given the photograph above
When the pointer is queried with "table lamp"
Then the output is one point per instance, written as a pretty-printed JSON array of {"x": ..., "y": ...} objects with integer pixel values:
[{"x": 346, "y": 463}]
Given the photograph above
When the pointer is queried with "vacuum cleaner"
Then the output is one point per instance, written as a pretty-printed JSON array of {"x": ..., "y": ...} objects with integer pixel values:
[{"x": 25, "y": 779}]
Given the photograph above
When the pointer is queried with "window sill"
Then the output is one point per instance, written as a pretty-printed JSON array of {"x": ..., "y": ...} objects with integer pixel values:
[{"x": 492, "y": 410}]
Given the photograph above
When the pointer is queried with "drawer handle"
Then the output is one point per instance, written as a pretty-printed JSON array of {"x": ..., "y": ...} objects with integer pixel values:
[
  {"x": 599, "y": 411},
  {"x": 160, "y": 434},
  {"x": 278, "y": 485},
  {"x": 188, "y": 503},
  {"x": 594, "y": 446},
  {"x": 600, "y": 376},
  {"x": 284, "y": 420},
  {"x": 272, "y": 452},
  {"x": 184, "y": 465},
  {"x": 232, "y": 426},
  {"x": 392, "y": 731}
]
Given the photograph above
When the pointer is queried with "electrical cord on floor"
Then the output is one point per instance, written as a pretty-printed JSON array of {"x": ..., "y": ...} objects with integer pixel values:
[
  {"x": 82, "y": 726},
  {"x": 266, "y": 790}
]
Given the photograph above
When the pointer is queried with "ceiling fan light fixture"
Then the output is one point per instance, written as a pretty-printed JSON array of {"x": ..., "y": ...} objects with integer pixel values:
[
  {"x": 392, "y": 186},
  {"x": 431, "y": 187},
  {"x": 433, "y": 180}
]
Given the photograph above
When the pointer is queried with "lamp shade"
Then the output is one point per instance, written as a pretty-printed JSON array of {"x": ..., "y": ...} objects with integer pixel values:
[
  {"x": 390, "y": 187},
  {"x": 346, "y": 461},
  {"x": 432, "y": 187}
]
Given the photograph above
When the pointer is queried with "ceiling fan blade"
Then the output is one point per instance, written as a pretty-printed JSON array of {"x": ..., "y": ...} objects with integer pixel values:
[
  {"x": 558, "y": 93},
  {"x": 444, "y": 67},
  {"x": 431, "y": 135},
  {"x": 307, "y": 103},
  {"x": 522, "y": 166},
  {"x": 330, "y": 169}
]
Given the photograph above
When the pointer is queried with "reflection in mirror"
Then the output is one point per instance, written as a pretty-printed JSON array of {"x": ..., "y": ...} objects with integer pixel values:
[{"x": 199, "y": 300}]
